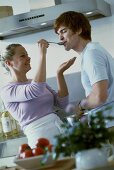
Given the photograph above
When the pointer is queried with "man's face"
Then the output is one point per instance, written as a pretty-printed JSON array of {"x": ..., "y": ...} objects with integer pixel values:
[{"x": 68, "y": 37}]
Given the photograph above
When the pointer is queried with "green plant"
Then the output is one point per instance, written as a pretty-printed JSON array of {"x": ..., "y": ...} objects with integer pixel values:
[{"x": 82, "y": 136}]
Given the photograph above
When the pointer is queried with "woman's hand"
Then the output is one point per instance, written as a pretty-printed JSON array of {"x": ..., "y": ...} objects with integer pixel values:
[
  {"x": 64, "y": 66},
  {"x": 62, "y": 86},
  {"x": 43, "y": 45}
]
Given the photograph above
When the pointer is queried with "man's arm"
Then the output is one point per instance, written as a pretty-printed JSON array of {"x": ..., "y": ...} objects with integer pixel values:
[{"x": 97, "y": 96}]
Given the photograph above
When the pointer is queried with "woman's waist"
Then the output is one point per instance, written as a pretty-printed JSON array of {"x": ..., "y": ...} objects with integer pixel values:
[{"x": 39, "y": 121}]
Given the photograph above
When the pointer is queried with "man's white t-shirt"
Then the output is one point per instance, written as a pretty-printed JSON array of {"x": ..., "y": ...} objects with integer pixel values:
[{"x": 97, "y": 64}]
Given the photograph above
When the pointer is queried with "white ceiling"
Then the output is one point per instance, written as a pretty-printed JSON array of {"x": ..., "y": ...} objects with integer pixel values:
[{"x": 23, "y": 6}]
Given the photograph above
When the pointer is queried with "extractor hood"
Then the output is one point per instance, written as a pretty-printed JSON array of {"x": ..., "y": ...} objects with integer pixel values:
[{"x": 43, "y": 19}]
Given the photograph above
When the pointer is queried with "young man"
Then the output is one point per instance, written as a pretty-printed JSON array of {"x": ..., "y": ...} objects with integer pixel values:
[{"x": 97, "y": 66}]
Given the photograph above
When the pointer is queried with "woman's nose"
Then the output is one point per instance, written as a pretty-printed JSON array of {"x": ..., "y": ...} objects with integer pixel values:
[{"x": 28, "y": 58}]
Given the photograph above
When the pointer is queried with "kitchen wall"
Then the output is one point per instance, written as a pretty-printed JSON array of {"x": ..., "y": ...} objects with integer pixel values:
[{"x": 102, "y": 31}]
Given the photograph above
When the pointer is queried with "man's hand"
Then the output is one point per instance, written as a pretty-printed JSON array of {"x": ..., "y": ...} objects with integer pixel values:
[{"x": 74, "y": 109}]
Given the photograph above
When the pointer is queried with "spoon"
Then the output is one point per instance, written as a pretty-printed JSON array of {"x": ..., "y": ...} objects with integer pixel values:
[{"x": 59, "y": 43}]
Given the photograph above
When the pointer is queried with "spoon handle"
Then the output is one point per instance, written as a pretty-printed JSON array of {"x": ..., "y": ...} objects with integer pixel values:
[
  {"x": 53, "y": 42},
  {"x": 59, "y": 43}
]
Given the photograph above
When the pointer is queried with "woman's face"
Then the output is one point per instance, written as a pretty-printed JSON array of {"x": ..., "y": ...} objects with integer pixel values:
[{"x": 21, "y": 60}]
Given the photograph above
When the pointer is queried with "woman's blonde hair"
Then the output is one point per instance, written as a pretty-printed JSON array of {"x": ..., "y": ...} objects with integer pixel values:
[{"x": 8, "y": 54}]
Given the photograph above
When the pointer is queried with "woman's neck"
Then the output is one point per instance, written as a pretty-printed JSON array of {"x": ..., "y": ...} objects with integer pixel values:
[{"x": 19, "y": 78}]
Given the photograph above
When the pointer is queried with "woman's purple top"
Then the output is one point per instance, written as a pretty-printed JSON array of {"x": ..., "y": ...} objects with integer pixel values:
[{"x": 30, "y": 101}]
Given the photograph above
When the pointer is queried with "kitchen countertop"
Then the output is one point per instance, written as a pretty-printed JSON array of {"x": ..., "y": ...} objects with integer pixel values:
[
  {"x": 9, "y": 149},
  {"x": 64, "y": 164}
]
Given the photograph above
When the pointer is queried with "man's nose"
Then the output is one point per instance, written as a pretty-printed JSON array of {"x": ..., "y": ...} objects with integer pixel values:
[{"x": 61, "y": 37}]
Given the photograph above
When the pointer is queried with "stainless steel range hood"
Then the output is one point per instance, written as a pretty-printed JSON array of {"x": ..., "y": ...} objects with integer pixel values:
[{"x": 34, "y": 20}]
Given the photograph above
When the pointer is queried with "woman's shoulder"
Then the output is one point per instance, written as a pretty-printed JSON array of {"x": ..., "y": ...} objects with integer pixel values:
[{"x": 13, "y": 83}]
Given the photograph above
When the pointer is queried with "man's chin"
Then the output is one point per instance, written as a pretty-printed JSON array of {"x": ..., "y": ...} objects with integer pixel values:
[{"x": 67, "y": 49}]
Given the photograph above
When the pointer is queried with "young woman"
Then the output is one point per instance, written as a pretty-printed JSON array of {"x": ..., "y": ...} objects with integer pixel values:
[{"x": 31, "y": 101}]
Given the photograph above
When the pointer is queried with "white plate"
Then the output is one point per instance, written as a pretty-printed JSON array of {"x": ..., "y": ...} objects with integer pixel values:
[{"x": 34, "y": 163}]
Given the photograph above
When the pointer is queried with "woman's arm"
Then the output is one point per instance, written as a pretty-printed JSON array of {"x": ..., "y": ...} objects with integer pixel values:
[
  {"x": 62, "y": 86},
  {"x": 18, "y": 93},
  {"x": 61, "y": 97},
  {"x": 41, "y": 70},
  {"x": 22, "y": 92}
]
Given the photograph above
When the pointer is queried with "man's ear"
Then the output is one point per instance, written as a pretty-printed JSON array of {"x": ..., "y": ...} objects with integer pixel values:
[{"x": 79, "y": 31}]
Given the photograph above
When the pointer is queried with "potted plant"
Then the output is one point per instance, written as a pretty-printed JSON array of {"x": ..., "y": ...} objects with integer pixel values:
[{"x": 85, "y": 142}]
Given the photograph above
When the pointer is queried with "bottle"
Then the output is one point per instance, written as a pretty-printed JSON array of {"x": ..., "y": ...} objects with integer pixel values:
[
  {"x": 1, "y": 131},
  {"x": 6, "y": 125},
  {"x": 21, "y": 133}
]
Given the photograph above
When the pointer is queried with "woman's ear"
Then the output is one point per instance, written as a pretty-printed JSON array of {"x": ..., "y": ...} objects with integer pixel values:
[{"x": 8, "y": 63}]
